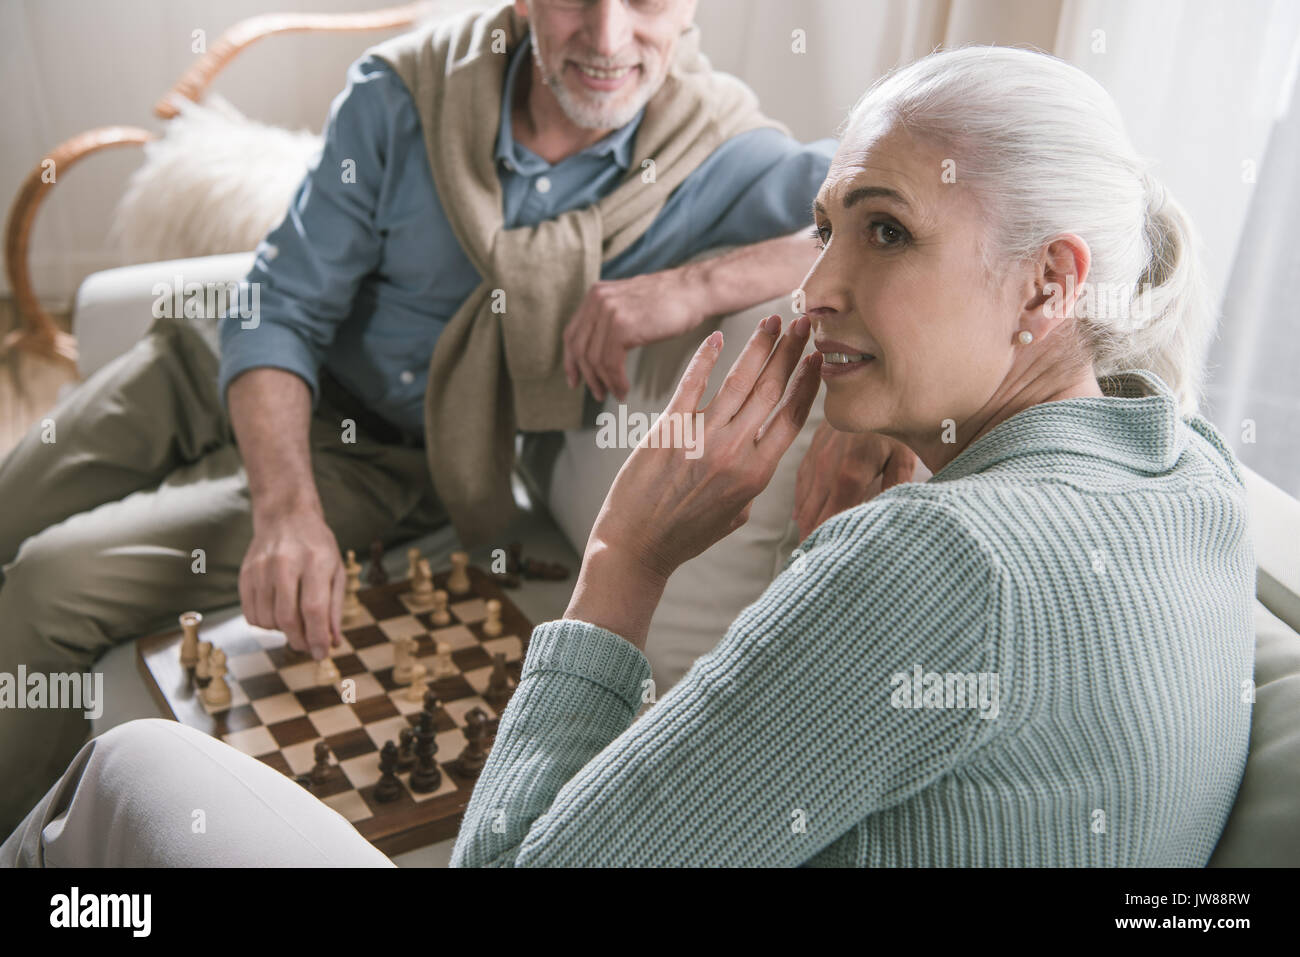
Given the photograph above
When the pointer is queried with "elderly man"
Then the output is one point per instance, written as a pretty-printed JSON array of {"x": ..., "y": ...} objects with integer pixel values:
[{"x": 501, "y": 210}]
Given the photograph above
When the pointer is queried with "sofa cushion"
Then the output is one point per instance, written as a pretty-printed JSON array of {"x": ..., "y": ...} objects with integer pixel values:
[{"x": 1263, "y": 829}]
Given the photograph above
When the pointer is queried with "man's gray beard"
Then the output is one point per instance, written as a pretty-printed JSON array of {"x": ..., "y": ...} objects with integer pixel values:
[{"x": 586, "y": 116}]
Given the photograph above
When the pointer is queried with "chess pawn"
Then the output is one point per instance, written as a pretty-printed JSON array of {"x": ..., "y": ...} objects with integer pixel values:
[
  {"x": 423, "y": 584},
  {"x": 458, "y": 580},
  {"x": 492, "y": 626},
  {"x": 419, "y": 683},
  {"x": 389, "y": 787},
  {"x": 327, "y": 672},
  {"x": 440, "y": 616},
  {"x": 412, "y": 564},
  {"x": 217, "y": 693},
  {"x": 202, "y": 674},
  {"x": 190, "y": 622},
  {"x": 320, "y": 771},
  {"x": 404, "y": 659},
  {"x": 500, "y": 685},
  {"x": 406, "y": 749},
  {"x": 442, "y": 663}
]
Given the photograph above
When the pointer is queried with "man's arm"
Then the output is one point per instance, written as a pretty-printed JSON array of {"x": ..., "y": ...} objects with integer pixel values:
[
  {"x": 308, "y": 272},
  {"x": 621, "y": 314},
  {"x": 753, "y": 192},
  {"x": 292, "y": 577}
]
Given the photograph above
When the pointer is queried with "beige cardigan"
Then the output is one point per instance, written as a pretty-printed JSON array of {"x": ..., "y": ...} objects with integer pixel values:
[{"x": 498, "y": 365}]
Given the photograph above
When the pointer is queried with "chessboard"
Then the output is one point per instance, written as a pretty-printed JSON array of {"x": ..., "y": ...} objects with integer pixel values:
[{"x": 279, "y": 711}]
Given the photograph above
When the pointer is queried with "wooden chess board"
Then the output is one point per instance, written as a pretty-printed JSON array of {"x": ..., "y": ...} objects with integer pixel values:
[{"x": 278, "y": 712}]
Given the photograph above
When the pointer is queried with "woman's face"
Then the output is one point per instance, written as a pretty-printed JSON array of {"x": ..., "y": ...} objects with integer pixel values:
[{"x": 901, "y": 279}]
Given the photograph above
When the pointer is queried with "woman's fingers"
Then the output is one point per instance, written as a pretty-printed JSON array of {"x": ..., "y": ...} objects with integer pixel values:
[
  {"x": 770, "y": 387},
  {"x": 778, "y": 434},
  {"x": 690, "y": 390},
  {"x": 740, "y": 380}
]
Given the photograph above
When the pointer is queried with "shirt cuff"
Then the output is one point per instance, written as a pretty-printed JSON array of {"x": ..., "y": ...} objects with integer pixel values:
[
  {"x": 266, "y": 346},
  {"x": 591, "y": 652}
]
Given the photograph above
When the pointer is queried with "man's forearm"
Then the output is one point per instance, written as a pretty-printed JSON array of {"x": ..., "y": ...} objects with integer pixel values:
[
  {"x": 752, "y": 274},
  {"x": 270, "y": 412}
]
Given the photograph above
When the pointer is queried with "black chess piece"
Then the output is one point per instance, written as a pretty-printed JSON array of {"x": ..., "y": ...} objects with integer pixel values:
[
  {"x": 426, "y": 777},
  {"x": 320, "y": 771},
  {"x": 474, "y": 755},
  {"x": 377, "y": 575},
  {"x": 389, "y": 787},
  {"x": 406, "y": 749},
  {"x": 514, "y": 558},
  {"x": 500, "y": 685}
]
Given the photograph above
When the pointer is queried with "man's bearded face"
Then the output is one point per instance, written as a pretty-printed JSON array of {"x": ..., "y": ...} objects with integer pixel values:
[{"x": 604, "y": 59}]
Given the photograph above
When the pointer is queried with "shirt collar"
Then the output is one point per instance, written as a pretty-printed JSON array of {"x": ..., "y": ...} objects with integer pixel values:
[
  {"x": 1135, "y": 424},
  {"x": 618, "y": 144}
]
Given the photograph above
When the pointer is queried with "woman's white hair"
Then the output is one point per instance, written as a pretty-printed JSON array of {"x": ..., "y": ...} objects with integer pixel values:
[{"x": 1043, "y": 149}]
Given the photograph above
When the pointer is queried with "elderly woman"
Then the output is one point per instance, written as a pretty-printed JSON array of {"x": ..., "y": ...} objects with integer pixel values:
[{"x": 1034, "y": 658}]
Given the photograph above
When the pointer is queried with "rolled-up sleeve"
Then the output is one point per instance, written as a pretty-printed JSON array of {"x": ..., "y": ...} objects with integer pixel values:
[
  {"x": 308, "y": 269},
  {"x": 756, "y": 186}
]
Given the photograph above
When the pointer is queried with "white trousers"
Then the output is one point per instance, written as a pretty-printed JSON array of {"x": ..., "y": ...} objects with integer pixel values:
[{"x": 154, "y": 793}]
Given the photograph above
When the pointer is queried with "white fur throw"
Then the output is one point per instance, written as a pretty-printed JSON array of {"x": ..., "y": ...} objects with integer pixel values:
[{"x": 215, "y": 182}]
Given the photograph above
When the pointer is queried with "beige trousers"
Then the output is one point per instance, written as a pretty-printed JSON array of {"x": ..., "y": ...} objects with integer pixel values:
[
  {"x": 128, "y": 505},
  {"x": 154, "y": 793}
]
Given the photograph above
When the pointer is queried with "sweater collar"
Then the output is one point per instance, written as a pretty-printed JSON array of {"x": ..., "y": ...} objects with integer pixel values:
[
  {"x": 617, "y": 145},
  {"x": 1134, "y": 424}
]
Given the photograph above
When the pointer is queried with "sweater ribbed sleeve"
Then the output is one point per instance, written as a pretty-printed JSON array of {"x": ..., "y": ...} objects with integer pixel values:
[{"x": 775, "y": 744}]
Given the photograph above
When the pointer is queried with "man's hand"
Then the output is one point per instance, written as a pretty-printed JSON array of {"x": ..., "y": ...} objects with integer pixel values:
[
  {"x": 844, "y": 469},
  {"x": 619, "y": 315},
  {"x": 292, "y": 580},
  {"x": 292, "y": 577}
]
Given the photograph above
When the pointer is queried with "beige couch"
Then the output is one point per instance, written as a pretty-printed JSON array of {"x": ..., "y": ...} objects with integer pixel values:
[{"x": 570, "y": 477}]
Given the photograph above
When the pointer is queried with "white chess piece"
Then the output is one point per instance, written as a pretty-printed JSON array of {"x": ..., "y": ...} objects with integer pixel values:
[
  {"x": 419, "y": 683},
  {"x": 404, "y": 659},
  {"x": 492, "y": 626},
  {"x": 190, "y": 622},
  {"x": 458, "y": 580},
  {"x": 413, "y": 565},
  {"x": 440, "y": 616},
  {"x": 353, "y": 610},
  {"x": 201, "y": 668},
  {"x": 443, "y": 667},
  {"x": 327, "y": 672},
  {"x": 217, "y": 693}
]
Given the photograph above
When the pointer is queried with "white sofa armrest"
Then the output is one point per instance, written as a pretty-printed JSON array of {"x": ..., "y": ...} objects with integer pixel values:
[{"x": 115, "y": 307}]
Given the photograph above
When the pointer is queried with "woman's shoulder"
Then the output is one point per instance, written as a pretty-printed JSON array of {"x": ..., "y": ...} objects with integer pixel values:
[{"x": 909, "y": 522}]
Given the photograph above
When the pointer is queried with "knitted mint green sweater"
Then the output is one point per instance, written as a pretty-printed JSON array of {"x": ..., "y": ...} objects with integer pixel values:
[{"x": 1083, "y": 576}]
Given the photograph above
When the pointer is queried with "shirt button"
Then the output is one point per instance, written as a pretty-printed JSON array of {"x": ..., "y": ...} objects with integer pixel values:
[
  {"x": 407, "y": 377},
  {"x": 543, "y": 184}
]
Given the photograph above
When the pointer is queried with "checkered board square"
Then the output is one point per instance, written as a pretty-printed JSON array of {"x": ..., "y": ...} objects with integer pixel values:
[{"x": 278, "y": 712}]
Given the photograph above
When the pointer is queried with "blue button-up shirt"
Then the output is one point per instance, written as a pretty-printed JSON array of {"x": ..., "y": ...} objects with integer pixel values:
[{"x": 365, "y": 271}]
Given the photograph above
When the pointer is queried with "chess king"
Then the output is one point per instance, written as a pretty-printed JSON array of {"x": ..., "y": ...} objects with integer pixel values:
[{"x": 507, "y": 232}]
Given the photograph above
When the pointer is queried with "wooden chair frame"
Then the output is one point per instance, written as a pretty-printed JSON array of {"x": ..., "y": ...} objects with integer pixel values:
[{"x": 37, "y": 331}]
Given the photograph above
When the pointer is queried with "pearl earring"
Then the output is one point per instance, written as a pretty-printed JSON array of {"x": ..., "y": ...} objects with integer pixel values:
[{"x": 1026, "y": 337}]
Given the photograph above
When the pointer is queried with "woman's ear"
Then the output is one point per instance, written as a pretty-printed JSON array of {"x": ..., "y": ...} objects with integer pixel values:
[{"x": 1058, "y": 285}]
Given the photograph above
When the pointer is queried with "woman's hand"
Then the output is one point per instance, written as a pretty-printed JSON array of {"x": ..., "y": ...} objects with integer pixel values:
[
  {"x": 670, "y": 503},
  {"x": 844, "y": 469}
]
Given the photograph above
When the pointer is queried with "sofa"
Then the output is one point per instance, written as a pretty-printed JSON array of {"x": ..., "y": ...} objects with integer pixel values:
[{"x": 562, "y": 482}]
